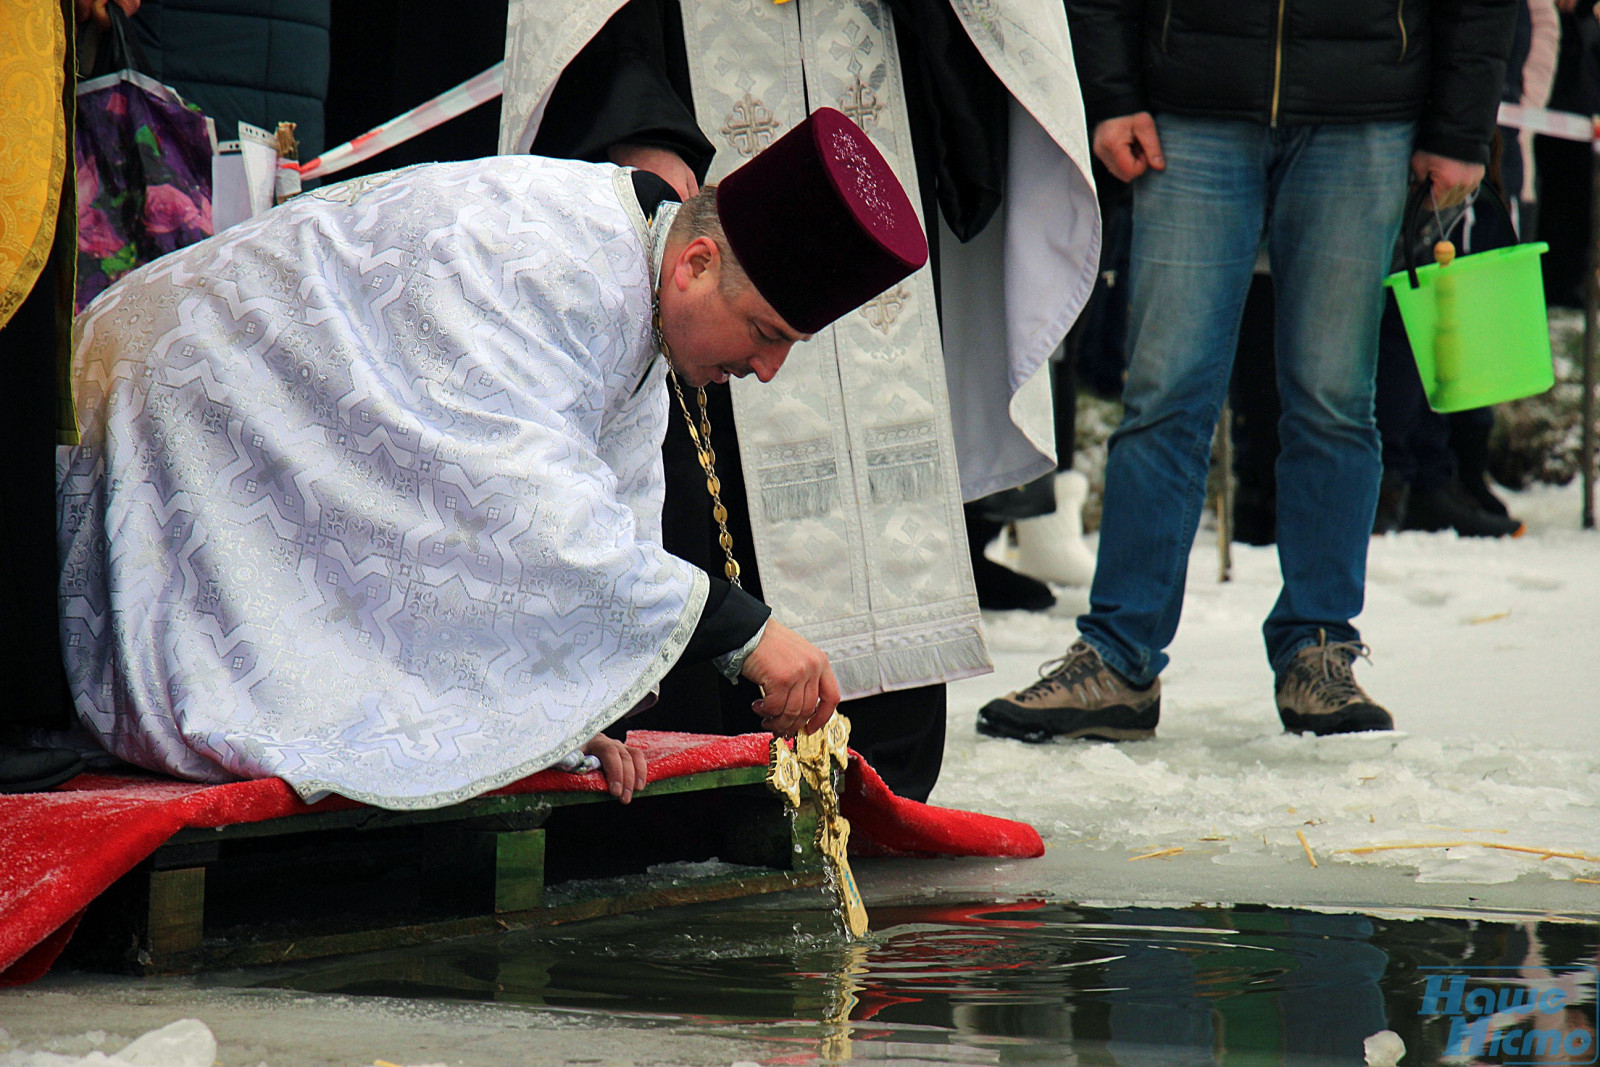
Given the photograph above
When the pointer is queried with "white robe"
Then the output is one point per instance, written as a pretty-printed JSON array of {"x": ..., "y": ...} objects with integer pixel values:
[{"x": 369, "y": 490}]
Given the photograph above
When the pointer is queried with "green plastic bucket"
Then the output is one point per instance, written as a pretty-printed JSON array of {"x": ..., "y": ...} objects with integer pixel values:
[{"x": 1477, "y": 327}]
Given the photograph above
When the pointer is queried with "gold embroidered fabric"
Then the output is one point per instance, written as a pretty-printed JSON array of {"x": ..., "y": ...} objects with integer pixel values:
[{"x": 33, "y": 142}]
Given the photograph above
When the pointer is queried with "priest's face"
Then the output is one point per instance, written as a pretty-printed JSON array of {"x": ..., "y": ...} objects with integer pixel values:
[{"x": 715, "y": 330}]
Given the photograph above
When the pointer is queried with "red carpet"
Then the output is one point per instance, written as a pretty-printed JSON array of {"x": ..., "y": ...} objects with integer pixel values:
[{"x": 63, "y": 848}]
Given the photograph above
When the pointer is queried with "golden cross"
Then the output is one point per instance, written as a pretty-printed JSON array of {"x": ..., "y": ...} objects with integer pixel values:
[
  {"x": 813, "y": 761},
  {"x": 861, "y": 104},
  {"x": 750, "y": 126},
  {"x": 882, "y": 310}
]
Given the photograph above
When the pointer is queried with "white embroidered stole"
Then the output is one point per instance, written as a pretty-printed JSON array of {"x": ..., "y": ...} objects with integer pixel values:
[
  {"x": 849, "y": 460},
  {"x": 1012, "y": 293}
]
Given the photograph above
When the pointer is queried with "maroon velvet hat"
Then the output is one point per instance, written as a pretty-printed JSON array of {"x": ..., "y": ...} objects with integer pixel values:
[{"x": 819, "y": 222}]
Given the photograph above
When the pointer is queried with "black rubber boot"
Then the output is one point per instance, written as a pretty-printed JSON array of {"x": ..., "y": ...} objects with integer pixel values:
[
  {"x": 1469, "y": 440},
  {"x": 1393, "y": 495},
  {"x": 1451, "y": 508},
  {"x": 33, "y": 770},
  {"x": 1000, "y": 588}
]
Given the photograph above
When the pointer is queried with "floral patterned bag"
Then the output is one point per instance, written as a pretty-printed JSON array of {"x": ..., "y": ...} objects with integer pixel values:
[{"x": 143, "y": 172}]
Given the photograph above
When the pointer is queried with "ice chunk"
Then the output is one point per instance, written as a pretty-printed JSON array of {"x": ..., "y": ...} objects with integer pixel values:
[
  {"x": 1384, "y": 1049},
  {"x": 185, "y": 1043}
]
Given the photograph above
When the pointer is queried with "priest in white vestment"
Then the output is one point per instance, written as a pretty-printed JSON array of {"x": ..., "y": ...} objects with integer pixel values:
[{"x": 369, "y": 490}]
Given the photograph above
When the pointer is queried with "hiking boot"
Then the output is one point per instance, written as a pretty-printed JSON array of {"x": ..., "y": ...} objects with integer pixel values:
[
  {"x": 1075, "y": 696},
  {"x": 1318, "y": 694}
]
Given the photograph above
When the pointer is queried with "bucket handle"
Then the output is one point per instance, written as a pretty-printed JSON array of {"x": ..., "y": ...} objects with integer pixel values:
[{"x": 1408, "y": 240}]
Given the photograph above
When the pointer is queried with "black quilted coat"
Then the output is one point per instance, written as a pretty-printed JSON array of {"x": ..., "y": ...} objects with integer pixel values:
[{"x": 1284, "y": 62}]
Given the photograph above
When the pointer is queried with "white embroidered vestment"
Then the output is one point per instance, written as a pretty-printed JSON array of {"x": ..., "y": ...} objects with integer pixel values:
[{"x": 369, "y": 490}]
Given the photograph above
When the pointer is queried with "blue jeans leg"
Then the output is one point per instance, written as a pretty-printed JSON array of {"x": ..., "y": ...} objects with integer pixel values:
[
  {"x": 1337, "y": 197},
  {"x": 1196, "y": 229},
  {"x": 1328, "y": 200}
]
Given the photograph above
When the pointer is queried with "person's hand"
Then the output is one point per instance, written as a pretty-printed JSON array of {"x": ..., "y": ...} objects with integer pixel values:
[
  {"x": 1453, "y": 181},
  {"x": 96, "y": 10},
  {"x": 662, "y": 162},
  {"x": 800, "y": 689},
  {"x": 623, "y": 765},
  {"x": 1128, "y": 145}
]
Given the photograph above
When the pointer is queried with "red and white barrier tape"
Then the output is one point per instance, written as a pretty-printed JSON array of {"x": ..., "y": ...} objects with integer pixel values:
[
  {"x": 463, "y": 98},
  {"x": 1562, "y": 124},
  {"x": 491, "y": 83}
]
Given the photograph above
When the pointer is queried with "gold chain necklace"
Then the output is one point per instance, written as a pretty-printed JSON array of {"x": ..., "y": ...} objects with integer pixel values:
[{"x": 701, "y": 437}]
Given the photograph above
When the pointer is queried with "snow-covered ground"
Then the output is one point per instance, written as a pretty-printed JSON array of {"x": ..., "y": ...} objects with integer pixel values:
[{"x": 1486, "y": 652}]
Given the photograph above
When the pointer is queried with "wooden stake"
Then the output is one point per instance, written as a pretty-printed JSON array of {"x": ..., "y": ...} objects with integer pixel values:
[
  {"x": 1157, "y": 855},
  {"x": 1543, "y": 853},
  {"x": 1222, "y": 449},
  {"x": 1301, "y": 834}
]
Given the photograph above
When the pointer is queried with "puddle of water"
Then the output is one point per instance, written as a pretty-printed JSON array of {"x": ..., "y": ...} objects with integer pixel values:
[{"x": 1031, "y": 982}]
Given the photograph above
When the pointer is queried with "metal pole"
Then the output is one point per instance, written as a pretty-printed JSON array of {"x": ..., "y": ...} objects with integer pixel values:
[{"x": 1591, "y": 339}]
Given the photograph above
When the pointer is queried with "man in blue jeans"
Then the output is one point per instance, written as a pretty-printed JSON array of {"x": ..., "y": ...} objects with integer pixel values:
[{"x": 1243, "y": 124}]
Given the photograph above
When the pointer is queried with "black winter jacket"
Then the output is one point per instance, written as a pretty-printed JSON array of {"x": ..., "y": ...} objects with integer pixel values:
[
  {"x": 1280, "y": 62},
  {"x": 257, "y": 61}
]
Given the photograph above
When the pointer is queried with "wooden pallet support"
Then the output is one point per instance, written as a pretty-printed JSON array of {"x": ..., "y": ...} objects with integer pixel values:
[
  {"x": 518, "y": 859},
  {"x": 176, "y": 903},
  {"x": 484, "y": 871},
  {"x": 331, "y": 883}
]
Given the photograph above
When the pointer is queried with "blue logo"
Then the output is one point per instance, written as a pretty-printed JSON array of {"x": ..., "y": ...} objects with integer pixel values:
[{"x": 1516, "y": 1015}]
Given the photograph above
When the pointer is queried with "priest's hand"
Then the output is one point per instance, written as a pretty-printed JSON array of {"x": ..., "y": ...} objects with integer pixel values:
[
  {"x": 1128, "y": 145},
  {"x": 799, "y": 687},
  {"x": 664, "y": 163},
  {"x": 623, "y": 765}
]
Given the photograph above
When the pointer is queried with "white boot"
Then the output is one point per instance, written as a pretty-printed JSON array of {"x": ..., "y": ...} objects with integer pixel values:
[{"x": 1050, "y": 547}]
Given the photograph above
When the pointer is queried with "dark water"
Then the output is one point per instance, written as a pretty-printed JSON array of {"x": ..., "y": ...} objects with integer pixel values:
[{"x": 1031, "y": 982}]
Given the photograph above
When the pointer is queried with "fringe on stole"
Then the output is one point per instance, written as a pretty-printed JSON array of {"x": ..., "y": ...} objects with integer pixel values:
[
  {"x": 896, "y": 484},
  {"x": 902, "y": 668},
  {"x": 799, "y": 490},
  {"x": 903, "y": 463}
]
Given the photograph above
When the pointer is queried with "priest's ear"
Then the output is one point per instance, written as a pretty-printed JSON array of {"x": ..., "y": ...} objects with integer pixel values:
[{"x": 698, "y": 263}]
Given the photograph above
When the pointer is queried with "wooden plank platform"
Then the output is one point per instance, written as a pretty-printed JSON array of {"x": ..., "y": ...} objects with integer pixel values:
[{"x": 330, "y": 883}]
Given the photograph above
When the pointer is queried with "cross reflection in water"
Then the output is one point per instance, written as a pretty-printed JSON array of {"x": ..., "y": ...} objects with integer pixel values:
[{"x": 1027, "y": 981}]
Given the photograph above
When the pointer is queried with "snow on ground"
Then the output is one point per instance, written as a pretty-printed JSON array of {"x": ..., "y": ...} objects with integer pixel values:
[{"x": 1486, "y": 652}]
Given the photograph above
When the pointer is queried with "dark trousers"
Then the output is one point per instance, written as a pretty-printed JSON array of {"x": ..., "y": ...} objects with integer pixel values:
[
  {"x": 901, "y": 733},
  {"x": 1416, "y": 439},
  {"x": 35, "y": 690}
]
